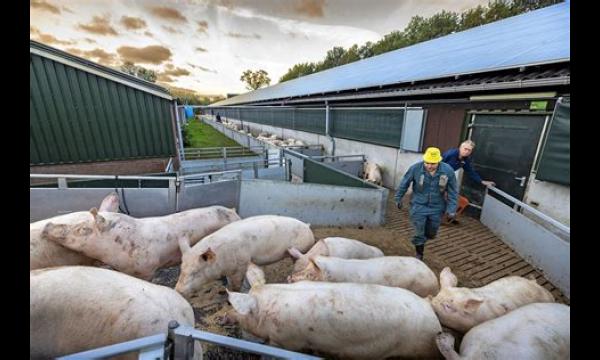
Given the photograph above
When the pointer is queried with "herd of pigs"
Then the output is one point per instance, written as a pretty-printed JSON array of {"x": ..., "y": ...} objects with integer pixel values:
[
  {"x": 90, "y": 272},
  {"x": 264, "y": 136},
  {"x": 371, "y": 171}
]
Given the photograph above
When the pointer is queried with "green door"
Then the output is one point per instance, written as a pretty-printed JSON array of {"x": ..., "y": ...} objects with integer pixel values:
[{"x": 505, "y": 148}]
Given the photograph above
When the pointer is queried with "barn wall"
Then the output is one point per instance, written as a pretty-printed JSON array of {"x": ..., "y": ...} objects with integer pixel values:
[{"x": 77, "y": 117}]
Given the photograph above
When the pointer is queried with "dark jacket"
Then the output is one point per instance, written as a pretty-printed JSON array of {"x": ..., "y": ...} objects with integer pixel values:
[{"x": 450, "y": 157}]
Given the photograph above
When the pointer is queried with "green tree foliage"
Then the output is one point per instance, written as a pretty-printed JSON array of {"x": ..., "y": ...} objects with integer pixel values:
[
  {"x": 139, "y": 71},
  {"x": 298, "y": 70},
  {"x": 419, "y": 29},
  {"x": 255, "y": 79}
]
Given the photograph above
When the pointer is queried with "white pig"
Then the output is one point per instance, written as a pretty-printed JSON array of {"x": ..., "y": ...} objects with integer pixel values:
[
  {"x": 138, "y": 247},
  {"x": 79, "y": 308},
  {"x": 336, "y": 247},
  {"x": 44, "y": 253},
  {"x": 352, "y": 321},
  {"x": 396, "y": 271},
  {"x": 463, "y": 308},
  {"x": 539, "y": 331},
  {"x": 261, "y": 239},
  {"x": 372, "y": 173}
]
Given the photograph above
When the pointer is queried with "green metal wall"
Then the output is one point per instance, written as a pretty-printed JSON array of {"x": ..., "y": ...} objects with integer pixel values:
[
  {"x": 376, "y": 126},
  {"x": 555, "y": 160},
  {"x": 319, "y": 173},
  {"x": 76, "y": 116}
]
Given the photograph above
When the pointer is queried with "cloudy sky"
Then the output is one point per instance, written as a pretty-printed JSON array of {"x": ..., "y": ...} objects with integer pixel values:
[{"x": 205, "y": 45}]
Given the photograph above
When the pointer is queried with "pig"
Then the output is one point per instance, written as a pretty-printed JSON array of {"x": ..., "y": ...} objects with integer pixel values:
[
  {"x": 347, "y": 320},
  {"x": 463, "y": 308},
  {"x": 44, "y": 253},
  {"x": 79, "y": 308},
  {"x": 137, "y": 247},
  {"x": 262, "y": 239},
  {"x": 534, "y": 331},
  {"x": 299, "y": 143},
  {"x": 396, "y": 271},
  {"x": 337, "y": 247},
  {"x": 372, "y": 173}
]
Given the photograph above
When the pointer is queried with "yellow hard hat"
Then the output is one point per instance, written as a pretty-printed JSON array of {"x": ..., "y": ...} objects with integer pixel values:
[{"x": 432, "y": 155}]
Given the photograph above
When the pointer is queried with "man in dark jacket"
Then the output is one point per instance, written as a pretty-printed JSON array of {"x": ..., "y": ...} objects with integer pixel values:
[{"x": 459, "y": 158}]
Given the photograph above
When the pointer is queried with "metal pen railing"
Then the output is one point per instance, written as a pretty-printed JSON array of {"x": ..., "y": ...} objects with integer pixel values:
[
  {"x": 221, "y": 152},
  {"x": 518, "y": 203},
  {"x": 178, "y": 344},
  {"x": 62, "y": 178}
]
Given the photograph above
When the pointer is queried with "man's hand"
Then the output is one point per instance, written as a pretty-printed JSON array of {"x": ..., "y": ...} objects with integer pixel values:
[
  {"x": 399, "y": 205},
  {"x": 488, "y": 183}
]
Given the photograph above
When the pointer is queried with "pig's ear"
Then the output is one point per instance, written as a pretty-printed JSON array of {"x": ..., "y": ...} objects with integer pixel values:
[
  {"x": 255, "y": 275},
  {"x": 110, "y": 203},
  {"x": 243, "y": 304},
  {"x": 99, "y": 220},
  {"x": 472, "y": 304},
  {"x": 447, "y": 278},
  {"x": 184, "y": 244},
  {"x": 208, "y": 255},
  {"x": 295, "y": 253}
]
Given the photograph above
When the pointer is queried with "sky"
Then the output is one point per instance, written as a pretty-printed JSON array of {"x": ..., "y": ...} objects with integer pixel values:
[{"x": 205, "y": 45}]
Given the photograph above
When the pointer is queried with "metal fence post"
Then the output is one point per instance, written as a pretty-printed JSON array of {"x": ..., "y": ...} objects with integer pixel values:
[
  {"x": 62, "y": 183},
  {"x": 182, "y": 347}
]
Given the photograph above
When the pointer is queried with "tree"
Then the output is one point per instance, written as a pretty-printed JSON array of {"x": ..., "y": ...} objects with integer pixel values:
[
  {"x": 332, "y": 59},
  {"x": 255, "y": 79},
  {"x": 298, "y": 70},
  {"x": 139, "y": 71},
  {"x": 472, "y": 18},
  {"x": 366, "y": 50}
]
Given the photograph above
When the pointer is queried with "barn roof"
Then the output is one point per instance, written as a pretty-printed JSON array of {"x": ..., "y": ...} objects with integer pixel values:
[
  {"x": 534, "y": 38},
  {"x": 97, "y": 69}
]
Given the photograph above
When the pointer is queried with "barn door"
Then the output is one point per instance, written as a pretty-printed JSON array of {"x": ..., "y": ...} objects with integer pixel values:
[{"x": 505, "y": 148}]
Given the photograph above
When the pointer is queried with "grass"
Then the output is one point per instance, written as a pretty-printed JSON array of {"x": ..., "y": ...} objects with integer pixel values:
[{"x": 200, "y": 135}]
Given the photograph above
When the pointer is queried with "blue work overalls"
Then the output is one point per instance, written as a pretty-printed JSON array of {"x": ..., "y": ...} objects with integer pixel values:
[{"x": 428, "y": 201}]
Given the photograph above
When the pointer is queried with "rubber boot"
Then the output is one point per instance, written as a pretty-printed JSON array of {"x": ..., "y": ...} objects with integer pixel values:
[{"x": 420, "y": 249}]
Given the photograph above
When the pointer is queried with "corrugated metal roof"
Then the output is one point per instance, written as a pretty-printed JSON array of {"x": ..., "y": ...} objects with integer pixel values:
[
  {"x": 537, "y": 37},
  {"x": 97, "y": 69}
]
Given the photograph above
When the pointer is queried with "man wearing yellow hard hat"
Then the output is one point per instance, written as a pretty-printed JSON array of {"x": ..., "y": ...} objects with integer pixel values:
[{"x": 434, "y": 192}]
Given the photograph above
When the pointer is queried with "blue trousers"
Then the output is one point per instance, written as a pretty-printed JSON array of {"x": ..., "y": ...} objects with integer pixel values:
[{"x": 426, "y": 226}]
